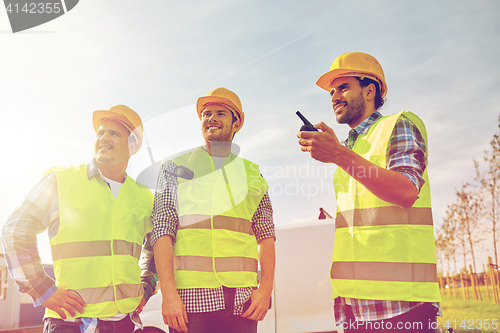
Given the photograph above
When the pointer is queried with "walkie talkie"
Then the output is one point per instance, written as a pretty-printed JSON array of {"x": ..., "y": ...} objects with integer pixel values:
[{"x": 307, "y": 124}]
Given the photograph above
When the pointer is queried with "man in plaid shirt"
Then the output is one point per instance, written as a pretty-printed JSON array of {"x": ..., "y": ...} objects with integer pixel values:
[
  {"x": 85, "y": 301},
  {"x": 206, "y": 228},
  {"x": 384, "y": 265}
]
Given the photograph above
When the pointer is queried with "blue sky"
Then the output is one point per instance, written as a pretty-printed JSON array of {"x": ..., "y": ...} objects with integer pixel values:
[{"x": 440, "y": 60}]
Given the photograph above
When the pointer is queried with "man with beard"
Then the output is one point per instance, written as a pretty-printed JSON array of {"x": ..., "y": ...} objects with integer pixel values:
[
  {"x": 383, "y": 270},
  {"x": 207, "y": 228},
  {"x": 97, "y": 219}
]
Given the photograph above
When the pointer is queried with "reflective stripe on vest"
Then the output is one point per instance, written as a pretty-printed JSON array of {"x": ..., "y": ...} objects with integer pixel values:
[
  {"x": 107, "y": 294},
  {"x": 94, "y": 249},
  {"x": 221, "y": 264},
  {"x": 384, "y": 271},
  {"x": 389, "y": 215},
  {"x": 382, "y": 251},
  {"x": 199, "y": 221},
  {"x": 215, "y": 244},
  {"x": 98, "y": 245}
]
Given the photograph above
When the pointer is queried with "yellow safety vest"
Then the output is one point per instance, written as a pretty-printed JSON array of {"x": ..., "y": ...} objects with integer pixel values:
[
  {"x": 382, "y": 251},
  {"x": 98, "y": 245},
  {"x": 215, "y": 243}
]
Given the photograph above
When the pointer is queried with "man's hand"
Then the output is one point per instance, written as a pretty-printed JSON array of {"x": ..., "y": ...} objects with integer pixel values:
[
  {"x": 172, "y": 309},
  {"x": 323, "y": 146},
  {"x": 62, "y": 300},
  {"x": 174, "y": 312},
  {"x": 140, "y": 306},
  {"x": 388, "y": 185},
  {"x": 259, "y": 307}
]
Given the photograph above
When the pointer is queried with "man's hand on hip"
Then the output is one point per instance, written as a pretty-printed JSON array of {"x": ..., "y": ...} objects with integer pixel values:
[{"x": 67, "y": 300}]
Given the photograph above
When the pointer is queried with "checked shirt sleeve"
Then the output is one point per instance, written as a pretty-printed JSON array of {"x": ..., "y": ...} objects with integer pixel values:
[
  {"x": 38, "y": 210},
  {"x": 407, "y": 152},
  {"x": 149, "y": 276},
  {"x": 165, "y": 216},
  {"x": 262, "y": 220}
]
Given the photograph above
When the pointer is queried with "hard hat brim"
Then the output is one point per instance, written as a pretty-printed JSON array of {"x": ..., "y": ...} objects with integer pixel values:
[
  {"x": 100, "y": 115},
  {"x": 326, "y": 79}
]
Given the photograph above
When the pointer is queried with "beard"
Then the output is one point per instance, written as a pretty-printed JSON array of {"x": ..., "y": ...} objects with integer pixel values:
[
  {"x": 355, "y": 110},
  {"x": 224, "y": 135}
]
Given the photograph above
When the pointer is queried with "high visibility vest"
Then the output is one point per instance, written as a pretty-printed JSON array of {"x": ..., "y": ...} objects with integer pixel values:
[
  {"x": 215, "y": 243},
  {"x": 382, "y": 251},
  {"x": 97, "y": 248}
]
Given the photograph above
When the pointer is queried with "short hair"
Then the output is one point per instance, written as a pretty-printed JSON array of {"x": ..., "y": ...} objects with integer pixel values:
[
  {"x": 365, "y": 82},
  {"x": 233, "y": 120}
]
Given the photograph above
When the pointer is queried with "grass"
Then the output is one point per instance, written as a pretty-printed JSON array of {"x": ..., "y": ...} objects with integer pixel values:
[{"x": 469, "y": 315}]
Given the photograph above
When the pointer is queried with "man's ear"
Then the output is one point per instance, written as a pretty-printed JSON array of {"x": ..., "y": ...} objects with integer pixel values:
[
  {"x": 370, "y": 92},
  {"x": 236, "y": 125},
  {"x": 133, "y": 147}
]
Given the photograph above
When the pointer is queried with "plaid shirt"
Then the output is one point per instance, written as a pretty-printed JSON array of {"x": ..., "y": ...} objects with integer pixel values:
[
  {"x": 39, "y": 211},
  {"x": 165, "y": 218},
  {"x": 407, "y": 154}
]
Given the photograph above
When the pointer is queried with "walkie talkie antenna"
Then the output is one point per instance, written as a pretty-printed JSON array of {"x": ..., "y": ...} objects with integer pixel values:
[{"x": 307, "y": 124}]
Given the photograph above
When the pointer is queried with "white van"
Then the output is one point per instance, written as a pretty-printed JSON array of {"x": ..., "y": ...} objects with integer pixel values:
[{"x": 302, "y": 296}]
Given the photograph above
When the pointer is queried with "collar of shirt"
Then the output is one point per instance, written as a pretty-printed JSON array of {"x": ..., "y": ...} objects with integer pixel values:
[
  {"x": 93, "y": 170},
  {"x": 361, "y": 128}
]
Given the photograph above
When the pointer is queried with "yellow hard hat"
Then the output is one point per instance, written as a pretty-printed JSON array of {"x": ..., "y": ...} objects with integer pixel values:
[
  {"x": 354, "y": 64},
  {"x": 124, "y": 115},
  {"x": 222, "y": 96}
]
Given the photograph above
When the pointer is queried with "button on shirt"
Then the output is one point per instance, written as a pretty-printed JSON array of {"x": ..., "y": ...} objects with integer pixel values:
[{"x": 407, "y": 154}]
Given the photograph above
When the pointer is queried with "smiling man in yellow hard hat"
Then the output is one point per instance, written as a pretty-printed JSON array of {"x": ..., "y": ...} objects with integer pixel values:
[
  {"x": 207, "y": 228},
  {"x": 97, "y": 217},
  {"x": 383, "y": 272}
]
